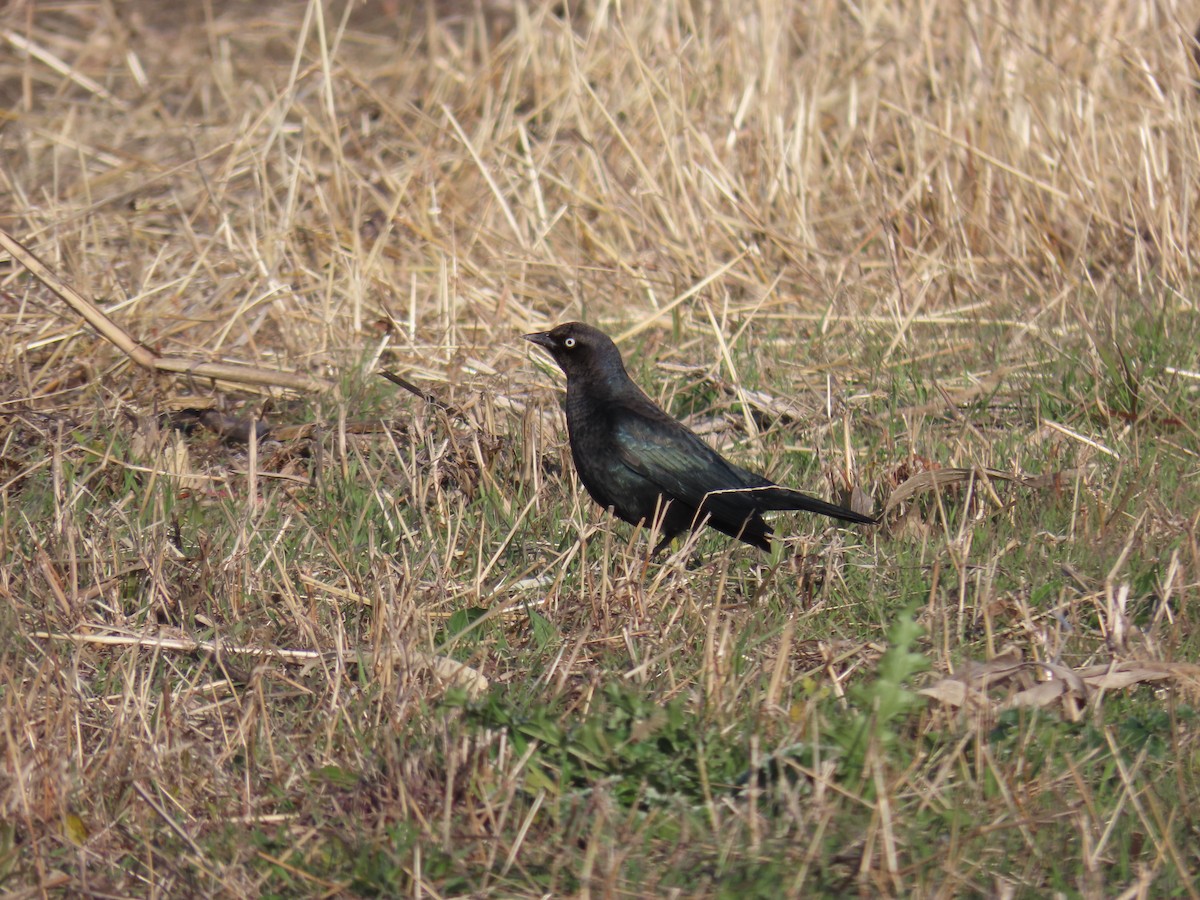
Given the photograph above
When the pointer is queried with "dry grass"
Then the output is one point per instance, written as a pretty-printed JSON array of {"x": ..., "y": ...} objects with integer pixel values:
[{"x": 368, "y": 652}]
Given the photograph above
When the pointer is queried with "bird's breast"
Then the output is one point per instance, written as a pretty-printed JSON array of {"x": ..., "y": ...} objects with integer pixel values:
[{"x": 591, "y": 424}]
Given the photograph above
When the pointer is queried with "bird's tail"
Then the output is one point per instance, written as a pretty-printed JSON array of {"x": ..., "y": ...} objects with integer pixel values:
[{"x": 774, "y": 497}]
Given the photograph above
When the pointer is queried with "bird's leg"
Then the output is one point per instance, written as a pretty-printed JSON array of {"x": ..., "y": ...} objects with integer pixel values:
[{"x": 662, "y": 545}]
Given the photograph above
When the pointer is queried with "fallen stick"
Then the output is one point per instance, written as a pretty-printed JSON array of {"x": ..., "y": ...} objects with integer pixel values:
[{"x": 139, "y": 352}]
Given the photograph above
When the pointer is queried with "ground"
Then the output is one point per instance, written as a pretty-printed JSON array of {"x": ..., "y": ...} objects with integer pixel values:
[{"x": 278, "y": 626}]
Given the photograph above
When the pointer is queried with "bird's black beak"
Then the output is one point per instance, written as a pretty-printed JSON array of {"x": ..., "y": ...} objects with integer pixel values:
[{"x": 542, "y": 339}]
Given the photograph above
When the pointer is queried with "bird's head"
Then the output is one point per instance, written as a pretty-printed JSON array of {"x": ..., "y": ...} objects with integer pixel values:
[{"x": 580, "y": 350}]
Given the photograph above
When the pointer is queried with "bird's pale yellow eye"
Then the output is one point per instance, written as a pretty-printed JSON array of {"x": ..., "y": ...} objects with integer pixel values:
[{"x": 569, "y": 343}]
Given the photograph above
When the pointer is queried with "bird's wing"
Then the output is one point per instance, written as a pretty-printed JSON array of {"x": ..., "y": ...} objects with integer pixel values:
[
  {"x": 684, "y": 467},
  {"x": 667, "y": 453}
]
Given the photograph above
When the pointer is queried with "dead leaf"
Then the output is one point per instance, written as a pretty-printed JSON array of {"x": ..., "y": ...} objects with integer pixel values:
[
  {"x": 75, "y": 829},
  {"x": 1006, "y": 682},
  {"x": 935, "y": 479}
]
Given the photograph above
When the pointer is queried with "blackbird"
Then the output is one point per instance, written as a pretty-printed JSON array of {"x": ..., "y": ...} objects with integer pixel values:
[{"x": 645, "y": 466}]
